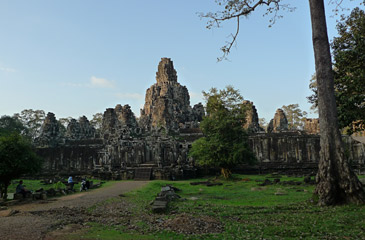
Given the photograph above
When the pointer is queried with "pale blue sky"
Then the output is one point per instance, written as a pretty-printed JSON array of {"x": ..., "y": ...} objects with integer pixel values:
[{"x": 77, "y": 58}]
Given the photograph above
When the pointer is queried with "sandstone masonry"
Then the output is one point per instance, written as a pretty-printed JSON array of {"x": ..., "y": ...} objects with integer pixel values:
[{"x": 157, "y": 145}]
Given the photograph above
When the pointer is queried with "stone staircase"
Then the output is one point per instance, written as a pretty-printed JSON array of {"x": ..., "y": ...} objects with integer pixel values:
[{"x": 144, "y": 171}]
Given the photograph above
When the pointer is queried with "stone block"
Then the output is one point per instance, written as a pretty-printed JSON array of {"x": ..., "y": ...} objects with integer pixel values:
[
  {"x": 18, "y": 196},
  {"x": 7, "y": 213},
  {"x": 159, "y": 206}
]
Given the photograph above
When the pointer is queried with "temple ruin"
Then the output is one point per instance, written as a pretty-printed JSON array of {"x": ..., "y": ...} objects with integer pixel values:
[{"x": 156, "y": 145}]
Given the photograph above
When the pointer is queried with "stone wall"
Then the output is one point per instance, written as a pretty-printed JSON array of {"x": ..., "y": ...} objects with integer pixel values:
[
  {"x": 285, "y": 147},
  {"x": 75, "y": 157},
  {"x": 292, "y": 153},
  {"x": 161, "y": 139}
]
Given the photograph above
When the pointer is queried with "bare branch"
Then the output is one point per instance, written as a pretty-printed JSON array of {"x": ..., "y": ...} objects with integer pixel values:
[
  {"x": 227, "y": 48},
  {"x": 238, "y": 8}
]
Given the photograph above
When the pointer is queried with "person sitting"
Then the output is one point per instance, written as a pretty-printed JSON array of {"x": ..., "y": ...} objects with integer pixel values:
[
  {"x": 21, "y": 189},
  {"x": 70, "y": 183},
  {"x": 83, "y": 186},
  {"x": 87, "y": 184}
]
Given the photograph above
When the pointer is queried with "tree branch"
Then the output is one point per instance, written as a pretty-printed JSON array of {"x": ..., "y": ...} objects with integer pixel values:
[{"x": 237, "y": 9}]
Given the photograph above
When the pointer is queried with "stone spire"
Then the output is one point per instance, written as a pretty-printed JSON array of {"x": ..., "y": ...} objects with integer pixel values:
[
  {"x": 50, "y": 132},
  {"x": 50, "y": 127},
  {"x": 252, "y": 118},
  {"x": 81, "y": 129},
  {"x": 166, "y": 72},
  {"x": 167, "y": 103},
  {"x": 110, "y": 121},
  {"x": 279, "y": 123},
  {"x": 126, "y": 116}
]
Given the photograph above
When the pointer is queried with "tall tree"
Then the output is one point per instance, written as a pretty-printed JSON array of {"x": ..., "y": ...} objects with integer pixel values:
[
  {"x": 225, "y": 142},
  {"x": 263, "y": 123},
  {"x": 336, "y": 182},
  {"x": 295, "y": 116},
  {"x": 63, "y": 124},
  {"x": 32, "y": 120},
  {"x": 65, "y": 121},
  {"x": 348, "y": 51},
  {"x": 9, "y": 125},
  {"x": 16, "y": 158},
  {"x": 97, "y": 120}
]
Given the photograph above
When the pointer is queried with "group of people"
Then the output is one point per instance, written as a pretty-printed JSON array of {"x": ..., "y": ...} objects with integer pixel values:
[{"x": 85, "y": 184}]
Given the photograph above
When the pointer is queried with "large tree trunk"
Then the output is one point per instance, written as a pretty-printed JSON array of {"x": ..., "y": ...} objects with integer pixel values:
[
  {"x": 336, "y": 182},
  {"x": 4, "y": 189}
]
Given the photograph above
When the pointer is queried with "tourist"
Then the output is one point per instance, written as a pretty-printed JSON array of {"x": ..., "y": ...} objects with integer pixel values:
[
  {"x": 83, "y": 185},
  {"x": 21, "y": 189},
  {"x": 70, "y": 183}
]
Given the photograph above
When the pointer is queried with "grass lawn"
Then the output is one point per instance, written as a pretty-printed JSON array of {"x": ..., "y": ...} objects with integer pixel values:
[{"x": 244, "y": 211}]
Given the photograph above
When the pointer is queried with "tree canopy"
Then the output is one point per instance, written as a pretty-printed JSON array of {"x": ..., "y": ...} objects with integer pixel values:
[
  {"x": 225, "y": 142},
  {"x": 97, "y": 121},
  {"x": 9, "y": 125},
  {"x": 295, "y": 116},
  {"x": 32, "y": 120},
  {"x": 16, "y": 158},
  {"x": 348, "y": 51},
  {"x": 16, "y": 152}
]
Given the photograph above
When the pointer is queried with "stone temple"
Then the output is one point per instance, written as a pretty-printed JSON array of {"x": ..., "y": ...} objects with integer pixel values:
[{"x": 156, "y": 145}]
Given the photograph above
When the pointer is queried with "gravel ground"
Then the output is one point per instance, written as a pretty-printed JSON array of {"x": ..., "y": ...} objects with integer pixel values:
[{"x": 37, "y": 220}]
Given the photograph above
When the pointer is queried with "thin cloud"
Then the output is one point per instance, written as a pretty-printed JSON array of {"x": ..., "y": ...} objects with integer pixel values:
[
  {"x": 101, "y": 82},
  {"x": 94, "y": 82},
  {"x": 5, "y": 69},
  {"x": 74, "y": 84},
  {"x": 136, "y": 96},
  {"x": 196, "y": 95}
]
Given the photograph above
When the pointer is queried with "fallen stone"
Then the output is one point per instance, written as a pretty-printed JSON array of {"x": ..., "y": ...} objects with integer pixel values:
[
  {"x": 165, "y": 189},
  {"x": 258, "y": 188},
  {"x": 44, "y": 196},
  {"x": 280, "y": 192},
  {"x": 159, "y": 206},
  {"x": 276, "y": 180},
  {"x": 207, "y": 183},
  {"x": 51, "y": 192},
  {"x": 17, "y": 196},
  {"x": 163, "y": 198},
  {"x": 198, "y": 183},
  {"x": 8, "y": 213},
  {"x": 213, "y": 184},
  {"x": 266, "y": 182}
]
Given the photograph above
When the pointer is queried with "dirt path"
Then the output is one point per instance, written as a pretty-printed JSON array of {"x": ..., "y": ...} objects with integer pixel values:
[{"x": 31, "y": 223}]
